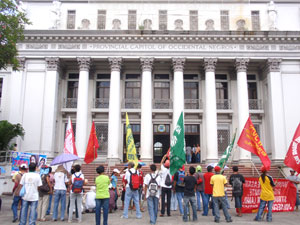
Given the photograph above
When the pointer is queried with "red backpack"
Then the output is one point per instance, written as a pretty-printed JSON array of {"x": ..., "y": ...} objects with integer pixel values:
[
  {"x": 134, "y": 183},
  {"x": 141, "y": 178},
  {"x": 77, "y": 184}
]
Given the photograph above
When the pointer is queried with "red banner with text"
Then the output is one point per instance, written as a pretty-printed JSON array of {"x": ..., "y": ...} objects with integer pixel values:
[{"x": 285, "y": 196}]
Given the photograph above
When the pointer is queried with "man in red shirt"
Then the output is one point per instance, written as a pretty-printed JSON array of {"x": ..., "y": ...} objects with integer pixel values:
[{"x": 207, "y": 191}]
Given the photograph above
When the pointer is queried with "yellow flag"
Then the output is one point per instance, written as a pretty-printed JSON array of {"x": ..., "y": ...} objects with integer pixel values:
[{"x": 130, "y": 146}]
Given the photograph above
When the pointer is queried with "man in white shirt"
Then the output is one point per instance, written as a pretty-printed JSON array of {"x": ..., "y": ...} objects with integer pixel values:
[
  {"x": 152, "y": 183},
  {"x": 296, "y": 180},
  {"x": 166, "y": 189},
  {"x": 31, "y": 181}
]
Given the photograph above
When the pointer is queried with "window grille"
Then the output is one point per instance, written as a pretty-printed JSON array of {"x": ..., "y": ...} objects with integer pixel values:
[
  {"x": 163, "y": 20},
  {"x": 224, "y": 20},
  {"x": 101, "y": 19},
  {"x": 71, "y": 19},
  {"x": 255, "y": 20},
  {"x": 132, "y": 20},
  {"x": 193, "y": 20}
]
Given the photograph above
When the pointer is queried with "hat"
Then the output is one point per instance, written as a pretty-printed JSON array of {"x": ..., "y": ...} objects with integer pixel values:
[
  {"x": 263, "y": 169},
  {"x": 291, "y": 170},
  {"x": 116, "y": 170},
  {"x": 23, "y": 166},
  {"x": 182, "y": 168},
  {"x": 199, "y": 169},
  {"x": 217, "y": 169},
  {"x": 167, "y": 163}
]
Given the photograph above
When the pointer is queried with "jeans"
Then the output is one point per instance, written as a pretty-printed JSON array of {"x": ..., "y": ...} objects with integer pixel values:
[
  {"x": 238, "y": 202},
  {"x": 198, "y": 193},
  {"x": 174, "y": 202},
  {"x": 179, "y": 196},
  {"x": 261, "y": 210},
  {"x": 205, "y": 205},
  {"x": 14, "y": 206},
  {"x": 32, "y": 213},
  {"x": 198, "y": 158},
  {"x": 188, "y": 159},
  {"x": 187, "y": 200},
  {"x": 129, "y": 194},
  {"x": 152, "y": 203},
  {"x": 102, "y": 203},
  {"x": 59, "y": 195},
  {"x": 297, "y": 199},
  {"x": 164, "y": 192},
  {"x": 49, "y": 205},
  {"x": 221, "y": 200},
  {"x": 73, "y": 197},
  {"x": 227, "y": 201}
]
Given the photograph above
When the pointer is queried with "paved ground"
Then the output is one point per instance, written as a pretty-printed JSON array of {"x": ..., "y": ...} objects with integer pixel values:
[{"x": 114, "y": 218}]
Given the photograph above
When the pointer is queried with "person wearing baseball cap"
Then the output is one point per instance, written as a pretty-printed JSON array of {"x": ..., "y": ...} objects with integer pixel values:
[
  {"x": 114, "y": 181},
  {"x": 218, "y": 181},
  {"x": 296, "y": 180}
]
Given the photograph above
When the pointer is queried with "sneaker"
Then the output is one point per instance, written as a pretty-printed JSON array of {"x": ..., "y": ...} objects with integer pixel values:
[
  {"x": 217, "y": 221},
  {"x": 69, "y": 221},
  {"x": 161, "y": 215},
  {"x": 123, "y": 217},
  {"x": 54, "y": 220},
  {"x": 15, "y": 220},
  {"x": 229, "y": 221}
]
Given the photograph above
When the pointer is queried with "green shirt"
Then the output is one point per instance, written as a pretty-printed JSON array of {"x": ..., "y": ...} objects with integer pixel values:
[{"x": 102, "y": 182}]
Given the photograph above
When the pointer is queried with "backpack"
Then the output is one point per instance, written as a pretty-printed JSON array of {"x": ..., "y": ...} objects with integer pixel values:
[
  {"x": 153, "y": 186},
  {"x": 168, "y": 181},
  {"x": 134, "y": 183},
  {"x": 77, "y": 186},
  {"x": 237, "y": 187},
  {"x": 180, "y": 179},
  {"x": 45, "y": 188}
]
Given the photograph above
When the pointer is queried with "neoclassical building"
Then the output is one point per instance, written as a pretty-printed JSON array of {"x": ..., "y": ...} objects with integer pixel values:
[{"x": 217, "y": 61}]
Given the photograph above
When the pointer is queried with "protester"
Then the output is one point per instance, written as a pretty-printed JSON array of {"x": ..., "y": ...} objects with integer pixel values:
[
  {"x": 179, "y": 188},
  {"x": 102, "y": 195},
  {"x": 90, "y": 200},
  {"x": 31, "y": 181},
  {"x": 123, "y": 187},
  {"x": 16, "y": 190},
  {"x": 207, "y": 191},
  {"x": 266, "y": 195},
  {"x": 237, "y": 180},
  {"x": 141, "y": 177},
  {"x": 296, "y": 180},
  {"x": 198, "y": 154},
  {"x": 152, "y": 183},
  {"x": 77, "y": 181},
  {"x": 114, "y": 182},
  {"x": 166, "y": 186},
  {"x": 132, "y": 192},
  {"x": 194, "y": 154},
  {"x": 188, "y": 154},
  {"x": 189, "y": 194},
  {"x": 112, "y": 196},
  {"x": 60, "y": 192},
  {"x": 51, "y": 176},
  {"x": 218, "y": 181},
  {"x": 200, "y": 187}
]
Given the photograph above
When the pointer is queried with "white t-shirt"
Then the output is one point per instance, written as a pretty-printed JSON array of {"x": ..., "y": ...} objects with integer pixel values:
[
  {"x": 73, "y": 177},
  {"x": 90, "y": 201},
  {"x": 31, "y": 181},
  {"x": 147, "y": 180},
  {"x": 127, "y": 176},
  {"x": 60, "y": 179},
  {"x": 163, "y": 174}
]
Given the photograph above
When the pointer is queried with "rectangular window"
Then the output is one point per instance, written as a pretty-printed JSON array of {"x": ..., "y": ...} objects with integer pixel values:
[
  {"x": 255, "y": 20},
  {"x": 102, "y": 135},
  {"x": 224, "y": 20},
  {"x": 103, "y": 89},
  {"x": 163, "y": 20},
  {"x": 223, "y": 137},
  {"x": 190, "y": 90},
  {"x": 161, "y": 76},
  {"x": 131, "y": 19},
  {"x": 72, "y": 89},
  {"x": 193, "y": 20},
  {"x": 133, "y": 90},
  {"x": 101, "y": 21},
  {"x": 71, "y": 19},
  {"x": 161, "y": 90}
]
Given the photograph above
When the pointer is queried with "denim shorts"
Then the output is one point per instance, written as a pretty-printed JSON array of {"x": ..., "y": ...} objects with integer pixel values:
[{"x": 238, "y": 202}]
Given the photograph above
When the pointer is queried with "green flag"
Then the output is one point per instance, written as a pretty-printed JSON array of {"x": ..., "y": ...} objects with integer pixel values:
[
  {"x": 177, "y": 155},
  {"x": 227, "y": 153}
]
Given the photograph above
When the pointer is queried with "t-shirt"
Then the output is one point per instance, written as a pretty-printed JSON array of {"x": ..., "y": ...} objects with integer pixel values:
[
  {"x": 294, "y": 178},
  {"x": 102, "y": 182},
  {"x": 60, "y": 180},
  {"x": 189, "y": 188},
  {"x": 242, "y": 180},
  {"x": 31, "y": 181},
  {"x": 200, "y": 186},
  {"x": 114, "y": 181},
  {"x": 77, "y": 174},
  {"x": 147, "y": 180},
  {"x": 218, "y": 181},
  {"x": 177, "y": 187},
  {"x": 164, "y": 172},
  {"x": 207, "y": 187},
  {"x": 188, "y": 150},
  {"x": 267, "y": 193}
]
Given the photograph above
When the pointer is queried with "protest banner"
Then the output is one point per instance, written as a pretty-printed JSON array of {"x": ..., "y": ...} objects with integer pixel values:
[{"x": 19, "y": 158}]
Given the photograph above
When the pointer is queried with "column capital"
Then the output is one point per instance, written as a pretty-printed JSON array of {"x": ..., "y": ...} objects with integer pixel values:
[
  {"x": 210, "y": 64},
  {"x": 84, "y": 63},
  {"x": 21, "y": 61},
  {"x": 115, "y": 63},
  {"x": 273, "y": 64},
  {"x": 178, "y": 64},
  {"x": 52, "y": 63},
  {"x": 147, "y": 64},
  {"x": 241, "y": 64}
]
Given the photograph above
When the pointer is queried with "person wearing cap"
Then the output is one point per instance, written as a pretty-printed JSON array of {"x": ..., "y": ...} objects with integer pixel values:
[
  {"x": 200, "y": 187},
  {"x": 266, "y": 195},
  {"x": 16, "y": 190},
  {"x": 114, "y": 182},
  {"x": 218, "y": 181},
  {"x": 179, "y": 187},
  {"x": 296, "y": 180},
  {"x": 207, "y": 191}
]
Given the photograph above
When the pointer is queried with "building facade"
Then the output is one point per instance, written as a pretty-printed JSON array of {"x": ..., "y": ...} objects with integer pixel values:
[{"x": 217, "y": 61}]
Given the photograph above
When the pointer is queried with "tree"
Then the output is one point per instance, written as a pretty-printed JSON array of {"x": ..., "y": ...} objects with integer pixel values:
[
  {"x": 9, "y": 131},
  {"x": 12, "y": 24}
]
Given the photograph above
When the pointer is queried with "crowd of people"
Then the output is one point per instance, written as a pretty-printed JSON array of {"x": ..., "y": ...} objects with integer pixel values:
[{"x": 162, "y": 192}]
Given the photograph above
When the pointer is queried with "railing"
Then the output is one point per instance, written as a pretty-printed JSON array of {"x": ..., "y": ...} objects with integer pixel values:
[
  {"x": 223, "y": 104},
  {"x": 255, "y": 104},
  {"x": 131, "y": 103},
  {"x": 5, "y": 156},
  {"x": 70, "y": 103},
  {"x": 162, "y": 104},
  {"x": 192, "y": 104},
  {"x": 101, "y": 103}
]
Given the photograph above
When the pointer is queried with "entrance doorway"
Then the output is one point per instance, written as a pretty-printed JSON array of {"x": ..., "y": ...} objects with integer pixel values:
[
  {"x": 192, "y": 137},
  {"x": 161, "y": 141}
]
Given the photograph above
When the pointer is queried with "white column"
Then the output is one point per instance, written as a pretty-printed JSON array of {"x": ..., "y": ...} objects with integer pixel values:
[
  {"x": 114, "y": 117},
  {"x": 276, "y": 110},
  {"x": 178, "y": 89},
  {"x": 211, "y": 110},
  {"x": 50, "y": 106},
  {"x": 82, "y": 106},
  {"x": 243, "y": 102},
  {"x": 146, "y": 150}
]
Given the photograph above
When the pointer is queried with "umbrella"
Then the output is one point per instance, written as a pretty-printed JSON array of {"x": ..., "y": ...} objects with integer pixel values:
[
  {"x": 140, "y": 162},
  {"x": 2, "y": 170},
  {"x": 64, "y": 158},
  {"x": 215, "y": 164}
]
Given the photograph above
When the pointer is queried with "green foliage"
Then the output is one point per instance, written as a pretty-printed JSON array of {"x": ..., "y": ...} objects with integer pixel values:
[
  {"x": 12, "y": 24},
  {"x": 9, "y": 131}
]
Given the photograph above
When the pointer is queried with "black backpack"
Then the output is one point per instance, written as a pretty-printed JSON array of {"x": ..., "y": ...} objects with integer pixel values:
[
  {"x": 237, "y": 187},
  {"x": 168, "y": 181}
]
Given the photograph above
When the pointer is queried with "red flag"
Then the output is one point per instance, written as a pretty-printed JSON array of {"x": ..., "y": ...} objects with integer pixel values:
[
  {"x": 292, "y": 158},
  {"x": 69, "y": 146},
  {"x": 91, "y": 150},
  {"x": 250, "y": 141}
]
